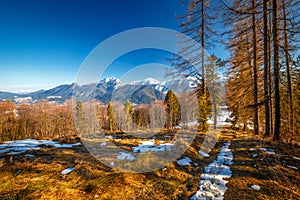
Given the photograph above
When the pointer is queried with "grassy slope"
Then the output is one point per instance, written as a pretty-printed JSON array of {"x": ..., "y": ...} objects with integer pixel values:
[{"x": 40, "y": 178}]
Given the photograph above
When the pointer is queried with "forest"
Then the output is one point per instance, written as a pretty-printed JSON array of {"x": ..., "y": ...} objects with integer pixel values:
[{"x": 53, "y": 151}]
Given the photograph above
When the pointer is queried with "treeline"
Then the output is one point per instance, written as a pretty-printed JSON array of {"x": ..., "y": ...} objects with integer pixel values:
[
  {"x": 125, "y": 117},
  {"x": 262, "y": 37},
  {"x": 39, "y": 120},
  {"x": 44, "y": 120}
]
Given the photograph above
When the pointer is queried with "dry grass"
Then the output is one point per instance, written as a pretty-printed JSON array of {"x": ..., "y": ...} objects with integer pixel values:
[
  {"x": 40, "y": 177},
  {"x": 270, "y": 172}
]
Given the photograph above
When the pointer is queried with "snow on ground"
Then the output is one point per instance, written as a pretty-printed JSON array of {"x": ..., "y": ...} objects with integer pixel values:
[
  {"x": 268, "y": 151},
  {"x": 67, "y": 171},
  {"x": 184, "y": 161},
  {"x": 150, "y": 145},
  {"x": 21, "y": 146},
  {"x": 203, "y": 153},
  {"x": 125, "y": 156},
  {"x": 292, "y": 167},
  {"x": 296, "y": 158},
  {"x": 213, "y": 185},
  {"x": 255, "y": 187}
]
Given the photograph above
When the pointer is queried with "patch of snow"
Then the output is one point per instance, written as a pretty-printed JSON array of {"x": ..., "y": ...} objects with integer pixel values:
[
  {"x": 268, "y": 151},
  {"x": 185, "y": 161},
  {"x": 125, "y": 156},
  {"x": 196, "y": 164},
  {"x": 291, "y": 167},
  {"x": 147, "y": 81},
  {"x": 150, "y": 145},
  {"x": 296, "y": 158},
  {"x": 254, "y": 155},
  {"x": 2, "y": 146},
  {"x": 4, "y": 151},
  {"x": 15, "y": 152},
  {"x": 252, "y": 149},
  {"x": 67, "y": 146},
  {"x": 29, "y": 155},
  {"x": 255, "y": 187},
  {"x": 192, "y": 123},
  {"x": 103, "y": 144},
  {"x": 203, "y": 153},
  {"x": 250, "y": 127},
  {"x": 76, "y": 144},
  {"x": 213, "y": 185},
  {"x": 54, "y": 97},
  {"x": 21, "y": 146},
  {"x": 67, "y": 171},
  {"x": 109, "y": 137},
  {"x": 23, "y": 100},
  {"x": 112, "y": 164}
]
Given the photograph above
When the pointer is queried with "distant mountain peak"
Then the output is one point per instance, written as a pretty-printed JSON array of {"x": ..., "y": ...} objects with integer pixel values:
[
  {"x": 146, "y": 81},
  {"x": 110, "y": 79}
]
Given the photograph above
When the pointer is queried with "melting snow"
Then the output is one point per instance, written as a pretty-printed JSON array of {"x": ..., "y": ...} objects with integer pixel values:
[
  {"x": 268, "y": 151},
  {"x": 255, "y": 187},
  {"x": 296, "y": 158},
  {"x": 67, "y": 171},
  {"x": 21, "y": 146},
  {"x": 103, "y": 144},
  {"x": 30, "y": 155},
  {"x": 184, "y": 161},
  {"x": 213, "y": 185},
  {"x": 151, "y": 146},
  {"x": 291, "y": 167},
  {"x": 203, "y": 153},
  {"x": 125, "y": 156}
]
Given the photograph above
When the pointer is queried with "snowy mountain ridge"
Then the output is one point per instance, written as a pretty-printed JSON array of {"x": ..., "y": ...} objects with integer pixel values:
[{"x": 142, "y": 91}]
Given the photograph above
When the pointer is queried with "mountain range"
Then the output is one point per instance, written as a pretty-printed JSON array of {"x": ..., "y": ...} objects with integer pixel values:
[{"x": 138, "y": 92}]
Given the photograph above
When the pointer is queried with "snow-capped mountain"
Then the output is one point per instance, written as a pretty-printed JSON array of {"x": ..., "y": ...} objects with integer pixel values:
[
  {"x": 147, "y": 81},
  {"x": 141, "y": 91}
]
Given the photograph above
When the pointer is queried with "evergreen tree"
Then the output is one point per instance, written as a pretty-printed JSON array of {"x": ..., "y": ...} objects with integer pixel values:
[
  {"x": 213, "y": 84},
  {"x": 128, "y": 115},
  {"x": 172, "y": 110},
  {"x": 204, "y": 112},
  {"x": 111, "y": 118},
  {"x": 79, "y": 116}
]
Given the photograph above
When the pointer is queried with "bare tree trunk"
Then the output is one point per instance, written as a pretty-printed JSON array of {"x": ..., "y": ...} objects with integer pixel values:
[
  {"x": 270, "y": 75},
  {"x": 266, "y": 69},
  {"x": 276, "y": 72},
  {"x": 203, "y": 47},
  {"x": 289, "y": 82},
  {"x": 254, "y": 65}
]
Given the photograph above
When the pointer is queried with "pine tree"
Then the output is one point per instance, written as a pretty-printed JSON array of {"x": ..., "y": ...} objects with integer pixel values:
[
  {"x": 213, "y": 84},
  {"x": 204, "y": 112},
  {"x": 111, "y": 118},
  {"x": 128, "y": 115},
  {"x": 172, "y": 110}
]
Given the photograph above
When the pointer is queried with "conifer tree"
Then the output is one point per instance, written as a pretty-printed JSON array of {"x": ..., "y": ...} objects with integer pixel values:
[
  {"x": 111, "y": 118},
  {"x": 172, "y": 110}
]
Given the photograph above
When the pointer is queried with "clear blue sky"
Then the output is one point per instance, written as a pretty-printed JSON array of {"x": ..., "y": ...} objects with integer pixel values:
[{"x": 43, "y": 42}]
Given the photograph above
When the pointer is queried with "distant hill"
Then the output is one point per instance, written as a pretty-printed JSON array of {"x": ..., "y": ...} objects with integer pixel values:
[{"x": 139, "y": 92}]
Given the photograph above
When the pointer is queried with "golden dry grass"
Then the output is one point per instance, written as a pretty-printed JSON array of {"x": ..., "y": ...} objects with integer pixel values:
[{"x": 40, "y": 177}]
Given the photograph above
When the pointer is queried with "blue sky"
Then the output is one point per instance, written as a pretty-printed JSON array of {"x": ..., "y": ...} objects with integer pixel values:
[{"x": 44, "y": 42}]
